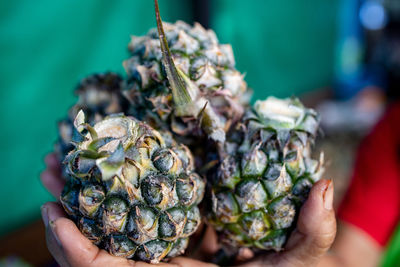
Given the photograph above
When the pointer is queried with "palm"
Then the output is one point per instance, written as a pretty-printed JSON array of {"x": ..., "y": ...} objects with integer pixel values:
[{"x": 314, "y": 235}]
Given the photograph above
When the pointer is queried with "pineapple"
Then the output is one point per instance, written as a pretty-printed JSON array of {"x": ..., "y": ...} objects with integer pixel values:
[
  {"x": 98, "y": 95},
  {"x": 265, "y": 174},
  {"x": 191, "y": 89},
  {"x": 130, "y": 190}
]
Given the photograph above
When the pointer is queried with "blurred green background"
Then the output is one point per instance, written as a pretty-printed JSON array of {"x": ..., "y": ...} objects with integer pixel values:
[{"x": 284, "y": 47}]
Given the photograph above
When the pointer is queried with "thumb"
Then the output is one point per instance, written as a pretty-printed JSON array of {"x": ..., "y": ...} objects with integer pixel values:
[
  {"x": 316, "y": 227},
  {"x": 68, "y": 245}
]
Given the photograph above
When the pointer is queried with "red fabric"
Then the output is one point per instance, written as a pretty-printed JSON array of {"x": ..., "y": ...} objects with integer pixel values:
[{"x": 372, "y": 202}]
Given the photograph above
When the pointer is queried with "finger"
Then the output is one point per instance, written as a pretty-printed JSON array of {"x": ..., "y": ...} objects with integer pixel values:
[
  {"x": 78, "y": 250},
  {"x": 187, "y": 262},
  {"x": 53, "y": 183},
  {"x": 52, "y": 243},
  {"x": 244, "y": 254},
  {"x": 52, "y": 162},
  {"x": 210, "y": 245},
  {"x": 316, "y": 227}
]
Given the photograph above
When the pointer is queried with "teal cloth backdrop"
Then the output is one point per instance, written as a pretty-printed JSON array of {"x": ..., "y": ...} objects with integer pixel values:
[
  {"x": 285, "y": 47},
  {"x": 46, "y": 47}
]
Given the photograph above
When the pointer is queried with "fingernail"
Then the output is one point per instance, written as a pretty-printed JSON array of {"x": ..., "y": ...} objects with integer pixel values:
[
  {"x": 245, "y": 254},
  {"x": 328, "y": 196},
  {"x": 45, "y": 216}
]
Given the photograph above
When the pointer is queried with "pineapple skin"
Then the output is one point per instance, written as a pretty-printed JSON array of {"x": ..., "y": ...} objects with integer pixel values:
[
  {"x": 207, "y": 65},
  {"x": 264, "y": 176},
  {"x": 130, "y": 191}
]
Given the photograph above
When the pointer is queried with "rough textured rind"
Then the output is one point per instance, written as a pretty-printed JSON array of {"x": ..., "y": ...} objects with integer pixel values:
[
  {"x": 264, "y": 175},
  {"x": 130, "y": 191},
  {"x": 217, "y": 92}
]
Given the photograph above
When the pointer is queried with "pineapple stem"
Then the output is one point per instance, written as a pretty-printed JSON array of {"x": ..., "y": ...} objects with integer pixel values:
[{"x": 180, "y": 94}]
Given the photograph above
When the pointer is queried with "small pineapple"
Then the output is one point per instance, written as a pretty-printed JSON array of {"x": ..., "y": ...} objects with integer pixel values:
[
  {"x": 191, "y": 89},
  {"x": 130, "y": 191},
  {"x": 99, "y": 95},
  {"x": 265, "y": 174}
]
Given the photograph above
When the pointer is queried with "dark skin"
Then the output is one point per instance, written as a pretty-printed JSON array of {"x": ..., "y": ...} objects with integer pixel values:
[{"x": 307, "y": 245}]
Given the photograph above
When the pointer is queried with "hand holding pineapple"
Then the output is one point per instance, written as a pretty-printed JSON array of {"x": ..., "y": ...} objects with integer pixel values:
[
  {"x": 315, "y": 232},
  {"x": 129, "y": 172}
]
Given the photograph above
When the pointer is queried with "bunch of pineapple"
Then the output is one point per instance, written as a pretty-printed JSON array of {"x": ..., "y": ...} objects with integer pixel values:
[{"x": 132, "y": 149}]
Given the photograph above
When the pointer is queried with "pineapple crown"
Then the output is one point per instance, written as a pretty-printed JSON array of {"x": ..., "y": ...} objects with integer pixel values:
[
  {"x": 282, "y": 118},
  {"x": 108, "y": 144},
  {"x": 285, "y": 114}
]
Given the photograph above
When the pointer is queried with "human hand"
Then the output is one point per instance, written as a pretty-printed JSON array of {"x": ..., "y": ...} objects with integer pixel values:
[{"x": 315, "y": 232}]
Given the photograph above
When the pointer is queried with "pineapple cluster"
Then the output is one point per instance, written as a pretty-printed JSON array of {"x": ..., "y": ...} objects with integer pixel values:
[{"x": 132, "y": 147}]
